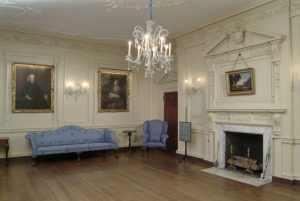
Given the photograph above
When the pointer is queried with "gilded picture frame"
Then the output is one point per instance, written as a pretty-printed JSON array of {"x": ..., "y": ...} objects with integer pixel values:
[
  {"x": 32, "y": 88},
  {"x": 113, "y": 90},
  {"x": 240, "y": 82}
]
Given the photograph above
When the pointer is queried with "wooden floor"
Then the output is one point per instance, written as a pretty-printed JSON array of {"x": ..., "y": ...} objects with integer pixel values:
[{"x": 155, "y": 177}]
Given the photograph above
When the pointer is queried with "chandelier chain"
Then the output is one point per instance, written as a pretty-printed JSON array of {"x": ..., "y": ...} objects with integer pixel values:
[{"x": 150, "y": 9}]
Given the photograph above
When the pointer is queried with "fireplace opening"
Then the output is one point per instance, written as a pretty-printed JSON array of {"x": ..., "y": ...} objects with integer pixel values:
[{"x": 244, "y": 152}]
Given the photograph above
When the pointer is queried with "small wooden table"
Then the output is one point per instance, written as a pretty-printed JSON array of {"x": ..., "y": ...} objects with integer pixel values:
[
  {"x": 4, "y": 142},
  {"x": 129, "y": 133}
]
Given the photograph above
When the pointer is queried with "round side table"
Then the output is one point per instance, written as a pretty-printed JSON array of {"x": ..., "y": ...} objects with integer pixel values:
[{"x": 129, "y": 133}]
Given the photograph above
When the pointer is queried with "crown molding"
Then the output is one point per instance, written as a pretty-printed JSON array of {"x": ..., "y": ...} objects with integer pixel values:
[
  {"x": 64, "y": 36},
  {"x": 253, "y": 6},
  {"x": 60, "y": 42}
]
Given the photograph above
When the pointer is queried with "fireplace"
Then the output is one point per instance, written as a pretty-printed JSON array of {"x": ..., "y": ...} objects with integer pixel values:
[
  {"x": 244, "y": 151},
  {"x": 257, "y": 138}
]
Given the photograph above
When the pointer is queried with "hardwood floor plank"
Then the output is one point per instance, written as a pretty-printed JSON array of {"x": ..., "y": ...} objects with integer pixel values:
[{"x": 154, "y": 177}]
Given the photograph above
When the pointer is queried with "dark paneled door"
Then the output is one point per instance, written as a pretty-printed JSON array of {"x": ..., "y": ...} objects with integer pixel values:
[{"x": 171, "y": 116}]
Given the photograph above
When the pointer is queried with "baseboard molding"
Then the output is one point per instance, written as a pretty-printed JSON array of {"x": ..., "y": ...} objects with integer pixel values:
[
  {"x": 28, "y": 155},
  {"x": 200, "y": 160},
  {"x": 286, "y": 181}
]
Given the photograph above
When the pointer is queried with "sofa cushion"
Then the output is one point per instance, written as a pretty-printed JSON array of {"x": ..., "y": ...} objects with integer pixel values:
[
  {"x": 51, "y": 149},
  {"x": 155, "y": 144},
  {"x": 77, "y": 147},
  {"x": 101, "y": 146},
  {"x": 69, "y": 135},
  {"x": 95, "y": 136}
]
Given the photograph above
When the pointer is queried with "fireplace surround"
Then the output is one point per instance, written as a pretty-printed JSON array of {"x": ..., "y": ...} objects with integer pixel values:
[{"x": 265, "y": 131}]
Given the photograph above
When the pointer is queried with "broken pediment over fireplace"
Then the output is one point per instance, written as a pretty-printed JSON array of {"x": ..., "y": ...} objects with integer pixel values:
[
  {"x": 244, "y": 49},
  {"x": 242, "y": 39}
]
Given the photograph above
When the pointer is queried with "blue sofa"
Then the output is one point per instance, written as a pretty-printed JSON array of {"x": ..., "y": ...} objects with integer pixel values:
[{"x": 70, "y": 139}]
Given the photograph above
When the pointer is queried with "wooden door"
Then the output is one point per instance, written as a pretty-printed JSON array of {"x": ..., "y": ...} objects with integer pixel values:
[{"x": 171, "y": 116}]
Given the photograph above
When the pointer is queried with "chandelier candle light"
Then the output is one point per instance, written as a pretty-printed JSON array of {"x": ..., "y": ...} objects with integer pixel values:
[{"x": 152, "y": 48}]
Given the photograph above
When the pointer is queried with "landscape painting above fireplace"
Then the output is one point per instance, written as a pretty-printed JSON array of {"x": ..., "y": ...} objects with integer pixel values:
[{"x": 240, "y": 82}]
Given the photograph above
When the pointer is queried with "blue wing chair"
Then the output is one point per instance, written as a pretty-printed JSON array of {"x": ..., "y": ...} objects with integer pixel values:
[{"x": 155, "y": 134}]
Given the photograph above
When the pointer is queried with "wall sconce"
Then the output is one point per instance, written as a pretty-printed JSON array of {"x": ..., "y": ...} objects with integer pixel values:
[
  {"x": 193, "y": 85},
  {"x": 76, "y": 89}
]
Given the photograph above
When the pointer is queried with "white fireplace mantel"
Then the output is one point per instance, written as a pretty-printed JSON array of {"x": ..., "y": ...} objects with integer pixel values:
[
  {"x": 265, "y": 131},
  {"x": 271, "y": 118}
]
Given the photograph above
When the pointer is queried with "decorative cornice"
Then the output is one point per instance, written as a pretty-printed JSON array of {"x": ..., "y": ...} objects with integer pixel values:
[
  {"x": 56, "y": 42},
  {"x": 247, "y": 18}
]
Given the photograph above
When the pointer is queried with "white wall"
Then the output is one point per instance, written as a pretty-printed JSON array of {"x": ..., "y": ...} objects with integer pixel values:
[
  {"x": 274, "y": 104},
  {"x": 75, "y": 61}
]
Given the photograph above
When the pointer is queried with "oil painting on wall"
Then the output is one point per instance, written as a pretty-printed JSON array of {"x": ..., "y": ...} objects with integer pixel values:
[
  {"x": 113, "y": 90},
  {"x": 240, "y": 82},
  {"x": 32, "y": 88}
]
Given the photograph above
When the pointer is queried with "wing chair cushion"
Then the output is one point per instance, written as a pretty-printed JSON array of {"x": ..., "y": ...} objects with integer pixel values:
[{"x": 155, "y": 130}]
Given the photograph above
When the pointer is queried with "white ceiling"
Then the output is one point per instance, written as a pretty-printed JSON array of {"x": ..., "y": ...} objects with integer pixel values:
[{"x": 113, "y": 20}]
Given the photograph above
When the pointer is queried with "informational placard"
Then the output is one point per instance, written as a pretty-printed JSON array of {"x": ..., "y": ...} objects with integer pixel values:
[{"x": 185, "y": 131}]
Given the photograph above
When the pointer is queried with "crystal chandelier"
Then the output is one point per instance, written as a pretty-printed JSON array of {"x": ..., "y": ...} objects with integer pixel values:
[{"x": 152, "y": 49}]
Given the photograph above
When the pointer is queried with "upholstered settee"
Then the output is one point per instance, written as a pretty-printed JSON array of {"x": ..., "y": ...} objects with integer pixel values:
[{"x": 70, "y": 139}]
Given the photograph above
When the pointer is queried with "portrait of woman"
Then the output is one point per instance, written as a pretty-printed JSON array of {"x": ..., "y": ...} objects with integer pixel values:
[{"x": 113, "y": 91}]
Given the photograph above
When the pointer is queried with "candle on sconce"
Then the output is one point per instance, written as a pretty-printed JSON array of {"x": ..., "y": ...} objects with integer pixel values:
[
  {"x": 129, "y": 47},
  {"x": 85, "y": 85},
  {"x": 70, "y": 84},
  {"x": 169, "y": 49}
]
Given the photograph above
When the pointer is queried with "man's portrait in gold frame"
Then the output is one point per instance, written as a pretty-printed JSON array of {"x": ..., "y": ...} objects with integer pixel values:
[{"x": 32, "y": 88}]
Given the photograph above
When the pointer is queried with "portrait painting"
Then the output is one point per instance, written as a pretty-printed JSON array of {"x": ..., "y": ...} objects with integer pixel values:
[
  {"x": 240, "y": 82},
  {"x": 113, "y": 90},
  {"x": 32, "y": 88}
]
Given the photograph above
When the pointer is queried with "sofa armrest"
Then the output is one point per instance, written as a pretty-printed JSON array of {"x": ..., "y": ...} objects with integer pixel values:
[
  {"x": 145, "y": 137},
  {"x": 164, "y": 138},
  {"x": 30, "y": 136},
  {"x": 109, "y": 137}
]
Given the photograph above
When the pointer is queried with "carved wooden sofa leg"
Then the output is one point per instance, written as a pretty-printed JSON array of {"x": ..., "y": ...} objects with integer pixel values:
[
  {"x": 33, "y": 163},
  {"x": 78, "y": 156},
  {"x": 143, "y": 150},
  {"x": 117, "y": 154}
]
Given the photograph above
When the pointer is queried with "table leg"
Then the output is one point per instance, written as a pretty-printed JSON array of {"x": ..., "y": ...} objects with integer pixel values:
[
  {"x": 129, "y": 134},
  {"x": 6, "y": 150}
]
